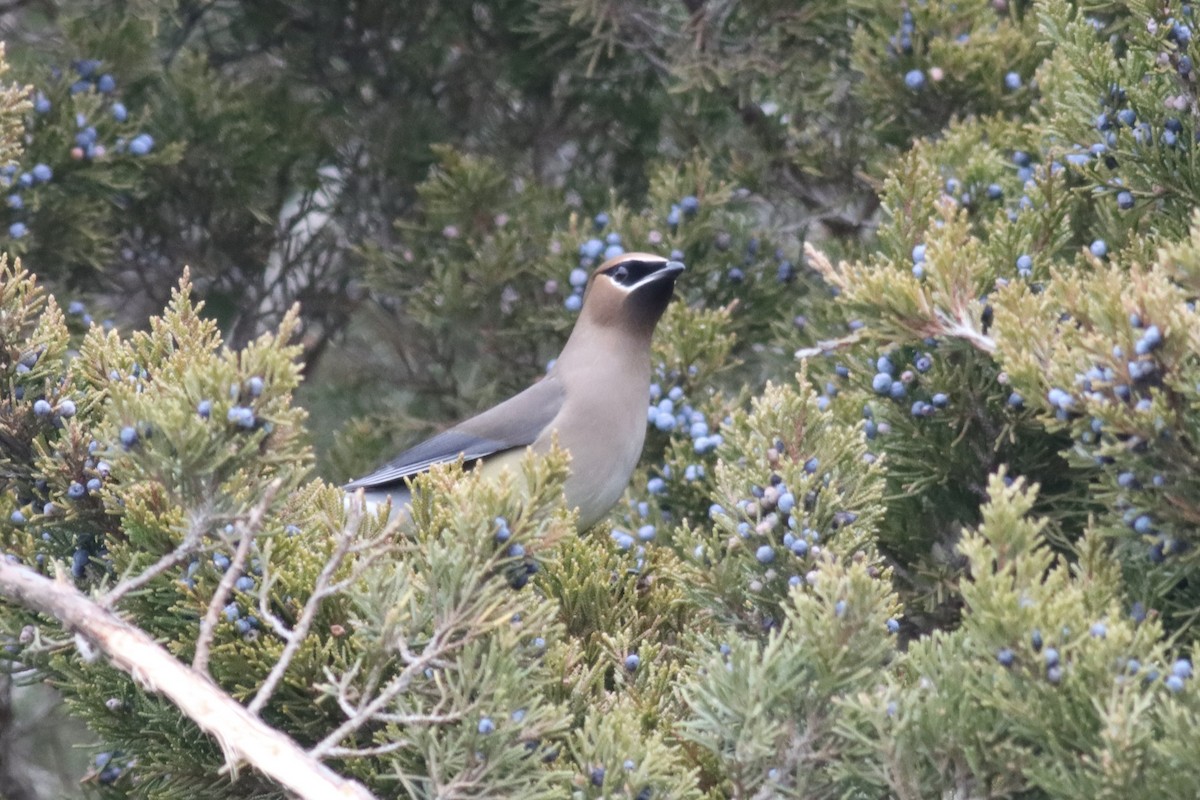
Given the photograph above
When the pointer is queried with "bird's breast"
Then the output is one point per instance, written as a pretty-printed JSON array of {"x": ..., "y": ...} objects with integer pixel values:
[{"x": 603, "y": 427}]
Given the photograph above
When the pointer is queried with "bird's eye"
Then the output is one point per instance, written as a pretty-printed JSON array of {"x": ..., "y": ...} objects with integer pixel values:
[{"x": 620, "y": 274}]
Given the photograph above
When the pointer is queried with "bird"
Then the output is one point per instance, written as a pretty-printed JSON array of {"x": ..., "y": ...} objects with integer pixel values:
[{"x": 592, "y": 400}]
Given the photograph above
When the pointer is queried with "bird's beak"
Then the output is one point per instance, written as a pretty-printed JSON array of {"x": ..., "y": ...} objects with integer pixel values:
[{"x": 669, "y": 270}]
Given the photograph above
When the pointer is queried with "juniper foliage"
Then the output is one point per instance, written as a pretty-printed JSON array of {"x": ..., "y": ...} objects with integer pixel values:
[{"x": 917, "y": 514}]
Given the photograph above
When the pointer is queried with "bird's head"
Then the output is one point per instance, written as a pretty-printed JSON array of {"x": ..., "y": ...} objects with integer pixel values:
[{"x": 630, "y": 291}]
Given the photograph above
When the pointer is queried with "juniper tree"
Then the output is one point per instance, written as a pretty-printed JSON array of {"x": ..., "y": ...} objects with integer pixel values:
[{"x": 917, "y": 511}]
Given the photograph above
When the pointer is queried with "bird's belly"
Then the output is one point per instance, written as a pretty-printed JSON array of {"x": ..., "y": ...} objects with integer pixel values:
[{"x": 374, "y": 500}]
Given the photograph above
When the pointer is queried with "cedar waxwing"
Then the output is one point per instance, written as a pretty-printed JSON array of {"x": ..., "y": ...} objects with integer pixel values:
[{"x": 593, "y": 399}]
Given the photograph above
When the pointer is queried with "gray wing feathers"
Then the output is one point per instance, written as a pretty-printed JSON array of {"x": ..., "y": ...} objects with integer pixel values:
[
  {"x": 445, "y": 446},
  {"x": 517, "y": 422}
]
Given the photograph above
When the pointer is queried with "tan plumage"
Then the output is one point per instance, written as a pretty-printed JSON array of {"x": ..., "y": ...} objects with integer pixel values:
[{"x": 594, "y": 398}]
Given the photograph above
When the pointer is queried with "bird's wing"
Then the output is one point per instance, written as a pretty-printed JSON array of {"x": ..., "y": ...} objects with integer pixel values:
[{"x": 517, "y": 422}]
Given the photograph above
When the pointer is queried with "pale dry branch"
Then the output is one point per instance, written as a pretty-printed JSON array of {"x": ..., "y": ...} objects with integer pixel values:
[
  {"x": 964, "y": 330},
  {"x": 323, "y": 587},
  {"x": 342, "y": 689},
  {"x": 265, "y": 613},
  {"x": 208, "y": 625},
  {"x": 366, "y": 712},
  {"x": 367, "y": 752},
  {"x": 827, "y": 346},
  {"x": 458, "y": 627},
  {"x": 454, "y": 633},
  {"x": 242, "y": 736},
  {"x": 246, "y": 532},
  {"x": 187, "y": 547},
  {"x": 421, "y": 719}
]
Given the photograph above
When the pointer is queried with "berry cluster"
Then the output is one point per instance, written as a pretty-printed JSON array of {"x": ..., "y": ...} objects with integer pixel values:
[
  {"x": 648, "y": 530},
  {"x": 85, "y": 483},
  {"x": 785, "y": 270},
  {"x": 1181, "y": 671},
  {"x": 777, "y": 517},
  {"x": 672, "y": 412},
  {"x": 1053, "y": 665},
  {"x": 86, "y": 144},
  {"x": 521, "y": 566},
  {"x": 892, "y": 384},
  {"x": 900, "y": 47},
  {"x": 1131, "y": 378},
  {"x": 93, "y": 121},
  {"x": 246, "y": 586},
  {"x": 981, "y": 195},
  {"x": 241, "y": 412},
  {"x": 108, "y": 767},
  {"x": 1135, "y": 496},
  {"x": 984, "y": 196},
  {"x": 77, "y": 312},
  {"x": 901, "y": 43},
  {"x": 1120, "y": 127},
  {"x": 82, "y": 473},
  {"x": 598, "y": 774},
  {"x": 592, "y": 252},
  {"x": 687, "y": 207}
]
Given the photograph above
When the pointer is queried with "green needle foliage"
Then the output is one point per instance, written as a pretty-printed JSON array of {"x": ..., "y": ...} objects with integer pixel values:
[{"x": 917, "y": 514}]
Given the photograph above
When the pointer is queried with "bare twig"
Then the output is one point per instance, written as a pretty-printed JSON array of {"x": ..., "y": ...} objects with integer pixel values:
[
  {"x": 246, "y": 532},
  {"x": 242, "y": 736},
  {"x": 827, "y": 346},
  {"x": 324, "y": 587},
  {"x": 208, "y": 625},
  {"x": 267, "y": 581},
  {"x": 964, "y": 330},
  {"x": 420, "y": 719},
  {"x": 367, "y": 752},
  {"x": 185, "y": 550},
  {"x": 365, "y": 703},
  {"x": 415, "y": 664}
]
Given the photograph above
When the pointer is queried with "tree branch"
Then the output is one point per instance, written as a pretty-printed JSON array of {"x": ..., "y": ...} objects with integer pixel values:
[
  {"x": 365, "y": 713},
  {"x": 189, "y": 545},
  {"x": 961, "y": 328},
  {"x": 826, "y": 346},
  {"x": 323, "y": 588},
  {"x": 246, "y": 532},
  {"x": 242, "y": 736},
  {"x": 455, "y": 631},
  {"x": 208, "y": 625}
]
